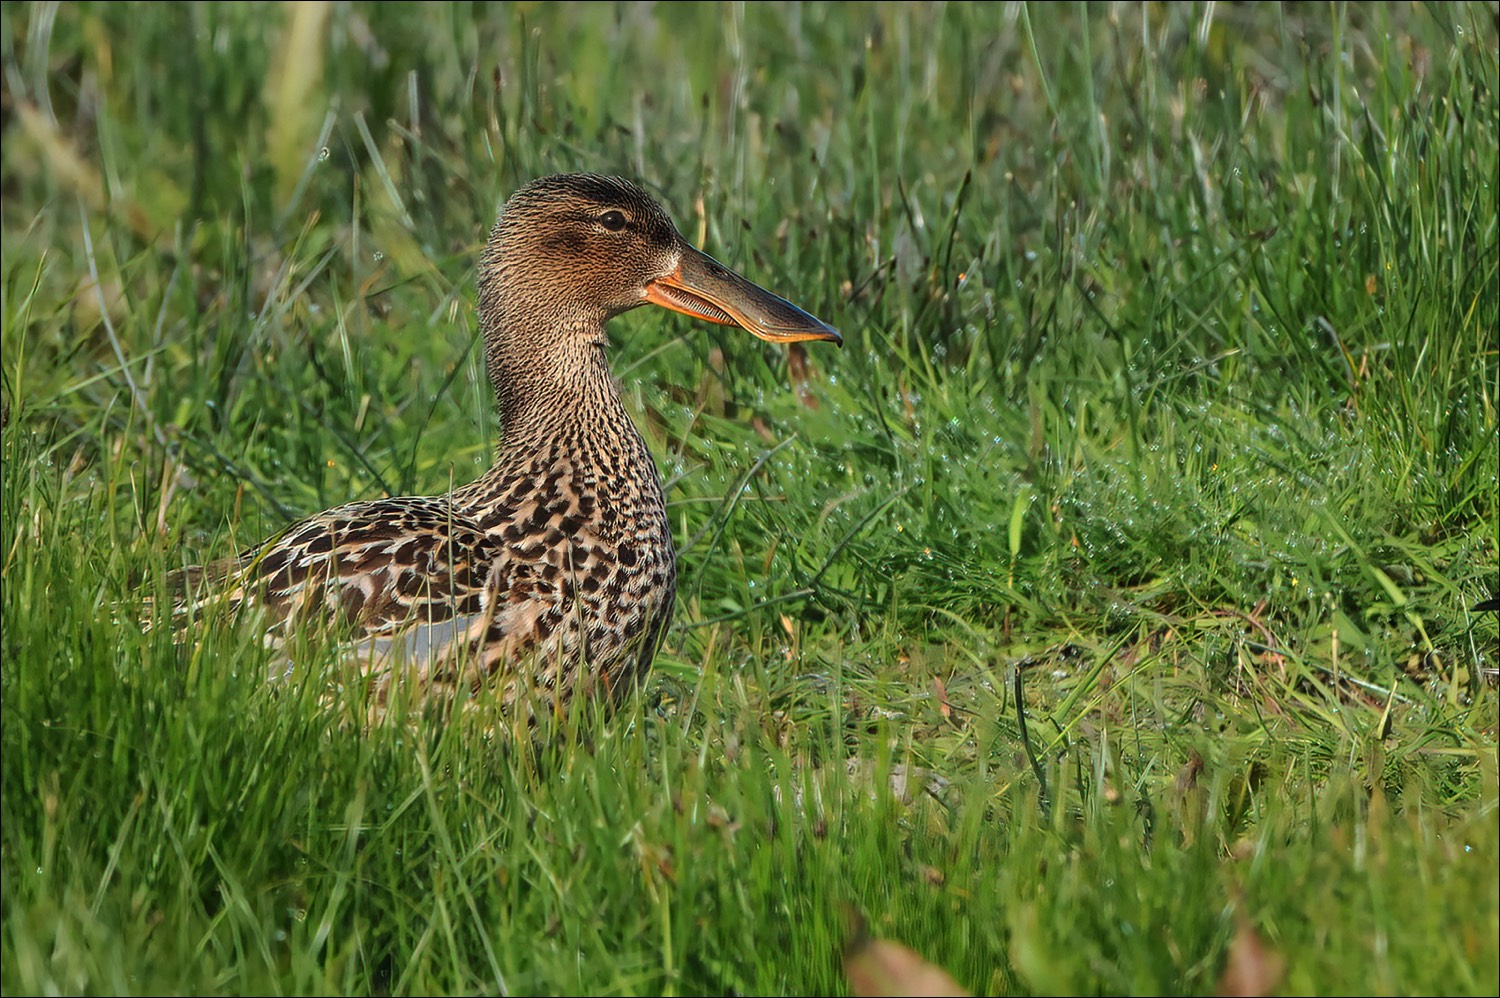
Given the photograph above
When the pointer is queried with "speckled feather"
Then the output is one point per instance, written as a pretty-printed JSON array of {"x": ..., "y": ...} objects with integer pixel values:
[{"x": 554, "y": 572}]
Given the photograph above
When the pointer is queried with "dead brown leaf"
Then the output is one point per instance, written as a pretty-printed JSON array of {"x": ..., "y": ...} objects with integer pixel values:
[
  {"x": 932, "y": 875},
  {"x": 801, "y": 373},
  {"x": 944, "y": 707},
  {"x": 878, "y": 967},
  {"x": 1253, "y": 968}
]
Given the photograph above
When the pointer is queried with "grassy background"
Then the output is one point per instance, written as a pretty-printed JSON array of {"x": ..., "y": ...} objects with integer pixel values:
[{"x": 1169, "y": 389}]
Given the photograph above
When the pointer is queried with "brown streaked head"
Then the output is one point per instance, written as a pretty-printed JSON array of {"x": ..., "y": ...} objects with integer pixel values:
[{"x": 571, "y": 250}]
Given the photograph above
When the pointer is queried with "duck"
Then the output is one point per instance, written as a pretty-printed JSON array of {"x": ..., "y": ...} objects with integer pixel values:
[{"x": 553, "y": 574}]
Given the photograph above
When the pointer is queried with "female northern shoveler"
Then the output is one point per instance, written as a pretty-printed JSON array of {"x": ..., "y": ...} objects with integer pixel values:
[{"x": 554, "y": 572}]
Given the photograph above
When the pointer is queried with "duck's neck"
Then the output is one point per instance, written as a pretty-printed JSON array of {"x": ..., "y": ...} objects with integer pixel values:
[
  {"x": 565, "y": 400},
  {"x": 565, "y": 431}
]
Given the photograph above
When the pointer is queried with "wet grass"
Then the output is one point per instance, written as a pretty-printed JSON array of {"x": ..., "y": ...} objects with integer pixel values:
[{"x": 1168, "y": 398}]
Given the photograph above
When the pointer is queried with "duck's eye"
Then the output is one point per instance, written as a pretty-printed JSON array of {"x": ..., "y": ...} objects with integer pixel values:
[{"x": 614, "y": 221}]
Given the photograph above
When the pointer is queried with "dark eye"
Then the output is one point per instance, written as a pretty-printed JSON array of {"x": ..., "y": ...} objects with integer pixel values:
[{"x": 614, "y": 221}]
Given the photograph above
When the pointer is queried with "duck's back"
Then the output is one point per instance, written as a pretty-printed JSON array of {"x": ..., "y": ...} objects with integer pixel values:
[{"x": 553, "y": 570}]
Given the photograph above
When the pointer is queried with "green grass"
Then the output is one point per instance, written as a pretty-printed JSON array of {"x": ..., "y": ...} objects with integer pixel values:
[{"x": 1169, "y": 385}]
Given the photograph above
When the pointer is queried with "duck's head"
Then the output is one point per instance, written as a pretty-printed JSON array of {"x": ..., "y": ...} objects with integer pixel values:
[{"x": 571, "y": 250}]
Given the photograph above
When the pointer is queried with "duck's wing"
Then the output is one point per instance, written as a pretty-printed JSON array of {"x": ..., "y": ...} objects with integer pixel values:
[
  {"x": 370, "y": 567},
  {"x": 416, "y": 588}
]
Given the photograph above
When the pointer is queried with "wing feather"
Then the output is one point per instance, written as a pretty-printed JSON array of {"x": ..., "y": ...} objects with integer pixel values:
[{"x": 372, "y": 567}]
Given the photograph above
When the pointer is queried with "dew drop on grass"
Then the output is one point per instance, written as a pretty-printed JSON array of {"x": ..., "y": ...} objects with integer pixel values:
[
  {"x": 323, "y": 155},
  {"x": 379, "y": 256}
]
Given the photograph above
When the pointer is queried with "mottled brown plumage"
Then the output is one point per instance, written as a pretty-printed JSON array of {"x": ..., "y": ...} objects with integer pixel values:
[{"x": 554, "y": 572}]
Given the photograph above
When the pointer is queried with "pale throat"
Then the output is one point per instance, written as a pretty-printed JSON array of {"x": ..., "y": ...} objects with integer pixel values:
[{"x": 549, "y": 382}]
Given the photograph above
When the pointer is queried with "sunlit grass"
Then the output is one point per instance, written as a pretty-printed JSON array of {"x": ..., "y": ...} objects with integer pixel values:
[{"x": 1169, "y": 387}]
